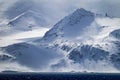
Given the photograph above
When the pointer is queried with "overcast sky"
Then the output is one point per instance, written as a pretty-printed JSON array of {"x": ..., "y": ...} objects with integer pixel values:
[
  {"x": 101, "y": 6},
  {"x": 60, "y": 8},
  {"x": 55, "y": 10},
  {"x": 110, "y": 6}
]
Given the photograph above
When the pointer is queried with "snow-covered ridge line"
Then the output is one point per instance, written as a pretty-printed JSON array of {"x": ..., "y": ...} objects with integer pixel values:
[
  {"x": 16, "y": 17},
  {"x": 79, "y": 42}
]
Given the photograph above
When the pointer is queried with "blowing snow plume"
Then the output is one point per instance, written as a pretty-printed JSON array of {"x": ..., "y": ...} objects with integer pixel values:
[{"x": 81, "y": 40}]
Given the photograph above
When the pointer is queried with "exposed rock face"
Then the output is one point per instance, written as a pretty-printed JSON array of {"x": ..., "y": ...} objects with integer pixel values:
[
  {"x": 81, "y": 53},
  {"x": 115, "y": 34}
]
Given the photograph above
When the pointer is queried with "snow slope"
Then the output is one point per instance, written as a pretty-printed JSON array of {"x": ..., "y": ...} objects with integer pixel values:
[
  {"x": 22, "y": 16},
  {"x": 22, "y": 36},
  {"x": 89, "y": 39},
  {"x": 87, "y": 42},
  {"x": 73, "y": 25}
]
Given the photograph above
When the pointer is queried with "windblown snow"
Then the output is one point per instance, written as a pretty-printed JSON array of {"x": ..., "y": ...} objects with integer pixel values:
[{"x": 82, "y": 41}]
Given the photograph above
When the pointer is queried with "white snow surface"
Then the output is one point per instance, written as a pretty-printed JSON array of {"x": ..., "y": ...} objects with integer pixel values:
[
  {"x": 19, "y": 37},
  {"x": 80, "y": 42}
]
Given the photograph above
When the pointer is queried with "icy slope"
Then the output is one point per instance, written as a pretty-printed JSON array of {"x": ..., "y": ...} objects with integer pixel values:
[
  {"x": 88, "y": 36},
  {"x": 32, "y": 56},
  {"x": 86, "y": 41},
  {"x": 22, "y": 36},
  {"x": 22, "y": 16},
  {"x": 72, "y": 26},
  {"x": 27, "y": 21}
]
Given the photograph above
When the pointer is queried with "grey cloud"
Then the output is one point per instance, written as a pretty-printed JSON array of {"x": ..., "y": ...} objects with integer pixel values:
[
  {"x": 112, "y": 7},
  {"x": 57, "y": 9}
]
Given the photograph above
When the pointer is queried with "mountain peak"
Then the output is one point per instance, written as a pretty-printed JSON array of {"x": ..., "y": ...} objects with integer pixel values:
[
  {"x": 82, "y": 12},
  {"x": 78, "y": 15},
  {"x": 77, "y": 21}
]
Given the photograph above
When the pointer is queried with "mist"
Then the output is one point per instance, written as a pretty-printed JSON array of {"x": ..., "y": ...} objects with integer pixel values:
[
  {"x": 52, "y": 11},
  {"x": 55, "y": 10}
]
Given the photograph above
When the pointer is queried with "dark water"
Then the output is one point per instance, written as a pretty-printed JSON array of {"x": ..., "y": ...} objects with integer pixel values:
[{"x": 59, "y": 76}]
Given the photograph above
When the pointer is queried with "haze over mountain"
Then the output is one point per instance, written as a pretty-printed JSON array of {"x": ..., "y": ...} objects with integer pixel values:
[{"x": 81, "y": 41}]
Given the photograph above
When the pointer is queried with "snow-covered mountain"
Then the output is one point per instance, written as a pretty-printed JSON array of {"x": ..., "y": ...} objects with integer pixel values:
[
  {"x": 88, "y": 39},
  {"x": 23, "y": 16},
  {"x": 28, "y": 20},
  {"x": 73, "y": 25},
  {"x": 86, "y": 42}
]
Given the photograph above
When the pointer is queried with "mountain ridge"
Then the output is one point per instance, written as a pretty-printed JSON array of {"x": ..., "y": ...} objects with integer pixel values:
[{"x": 87, "y": 43}]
